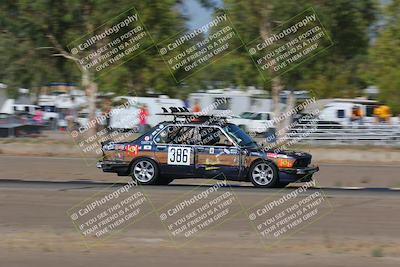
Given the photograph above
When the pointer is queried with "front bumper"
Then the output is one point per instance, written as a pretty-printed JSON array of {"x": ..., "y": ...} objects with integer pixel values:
[
  {"x": 304, "y": 174},
  {"x": 304, "y": 170}
]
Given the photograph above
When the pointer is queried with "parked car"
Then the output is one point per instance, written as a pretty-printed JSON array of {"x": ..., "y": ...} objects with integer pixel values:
[{"x": 256, "y": 122}]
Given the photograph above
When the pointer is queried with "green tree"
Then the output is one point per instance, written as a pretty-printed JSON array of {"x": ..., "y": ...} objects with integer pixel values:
[{"x": 385, "y": 58}]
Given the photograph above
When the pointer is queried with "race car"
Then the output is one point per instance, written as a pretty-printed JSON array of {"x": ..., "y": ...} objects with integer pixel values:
[{"x": 193, "y": 146}]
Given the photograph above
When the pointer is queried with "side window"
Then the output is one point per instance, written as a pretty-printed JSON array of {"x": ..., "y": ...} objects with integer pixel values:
[
  {"x": 165, "y": 136},
  {"x": 257, "y": 117},
  {"x": 369, "y": 111},
  {"x": 211, "y": 136},
  {"x": 180, "y": 135},
  {"x": 341, "y": 113},
  {"x": 265, "y": 116}
]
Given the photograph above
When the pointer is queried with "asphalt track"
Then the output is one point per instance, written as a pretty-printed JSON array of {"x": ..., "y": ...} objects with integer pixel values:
[
  {"x": 182, "y": 188},
  {"x": 349, "y": 175},
  {"x": 357, "y": 223}
]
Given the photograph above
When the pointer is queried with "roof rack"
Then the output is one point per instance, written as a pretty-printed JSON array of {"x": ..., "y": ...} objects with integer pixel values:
[{"x": 183, "y": 112}]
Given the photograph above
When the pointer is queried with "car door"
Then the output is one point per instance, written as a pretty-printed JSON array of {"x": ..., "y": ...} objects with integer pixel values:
[
  {"x": 216, "y": 154},
  {"x": 172, "y": 151}
]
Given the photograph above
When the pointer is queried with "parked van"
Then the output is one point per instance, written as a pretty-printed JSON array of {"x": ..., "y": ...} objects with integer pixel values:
[{"x": 340, "y": 110}]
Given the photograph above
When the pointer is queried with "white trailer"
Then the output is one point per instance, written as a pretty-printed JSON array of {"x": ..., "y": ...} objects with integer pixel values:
[
  {"x": 128, "y": 118},
  {"x": 340, "y": 109},
  {"x": 237, "y": 101}
]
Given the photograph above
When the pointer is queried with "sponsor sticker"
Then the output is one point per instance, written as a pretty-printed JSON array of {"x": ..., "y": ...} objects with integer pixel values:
[
  {"x": 119, "y": 147},
  {"x": 272, "y": 155},
  {"x": 233, "y": 151},
  {"x": 132, "y": 149},
  {"x": 109, "y": 147}
]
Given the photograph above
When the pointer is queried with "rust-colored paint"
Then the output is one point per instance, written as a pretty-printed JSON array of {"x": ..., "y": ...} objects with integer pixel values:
[{"x": 226, "y": 160}]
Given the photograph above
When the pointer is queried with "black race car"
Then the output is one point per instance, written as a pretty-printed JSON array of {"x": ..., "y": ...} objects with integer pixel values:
[{"x": 193, "y": 146}]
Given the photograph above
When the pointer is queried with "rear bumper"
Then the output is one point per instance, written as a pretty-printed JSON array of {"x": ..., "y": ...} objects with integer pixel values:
[
  {"x": 291, "y": 175},
  {"x": 119, "y": 167}
]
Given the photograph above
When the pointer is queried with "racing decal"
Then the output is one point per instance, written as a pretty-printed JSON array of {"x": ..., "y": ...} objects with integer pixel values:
[
  {"x": 211, "y": 150},
  {"x": 272, "y": 155},
  {"x": 226, "y": 151},
  {"x": 147, "y": 147},
  {"x": 132, "y": 149},
  {"x": 233, "y": 151},
  {"x": 147, "y": 138},
  {"x": 178, "y": 155},
  {"x": 119, "y": 147},
  {"x": 109, "y": 146}
]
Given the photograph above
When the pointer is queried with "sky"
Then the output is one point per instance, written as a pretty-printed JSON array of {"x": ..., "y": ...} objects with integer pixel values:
[{"x": 197, "y": 14}]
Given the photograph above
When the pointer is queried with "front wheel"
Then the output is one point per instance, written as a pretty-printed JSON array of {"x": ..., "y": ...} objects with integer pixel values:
[
  {"x": 263, "y": 174},
  {"x": 145, "y": 172}
]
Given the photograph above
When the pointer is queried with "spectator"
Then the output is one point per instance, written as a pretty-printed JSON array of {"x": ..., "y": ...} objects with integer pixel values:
[
  {"x": 143, "y": 114},
  {"x": 382, "y": 113},
  {"x": 196, "y": 107},
  {"x": 38, "y": 116},
  {"x": 356, "y": 114}
]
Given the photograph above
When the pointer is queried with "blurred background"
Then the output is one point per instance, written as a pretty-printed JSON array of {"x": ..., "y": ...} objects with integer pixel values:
[
  {"x": 51, "y": 107},
  {"x": 353, "y": 85}
]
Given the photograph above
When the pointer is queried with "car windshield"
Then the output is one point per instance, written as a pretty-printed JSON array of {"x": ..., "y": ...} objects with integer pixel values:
[{"x": 239, "y": 136}]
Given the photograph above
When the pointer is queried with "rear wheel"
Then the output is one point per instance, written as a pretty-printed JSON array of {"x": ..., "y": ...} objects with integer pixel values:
[
  {"x": 263, "y": 174},
  {"x": 145, "y": 172}
]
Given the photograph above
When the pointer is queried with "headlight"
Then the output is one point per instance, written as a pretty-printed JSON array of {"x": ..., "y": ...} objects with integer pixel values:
[{"x": 285, "y": 163}]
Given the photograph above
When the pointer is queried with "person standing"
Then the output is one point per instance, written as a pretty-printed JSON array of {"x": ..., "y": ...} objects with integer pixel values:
[
  {"x": 143, "y": 114},
  {"x": 196, "y": 107},
  {"x": 38, "y": 117}
]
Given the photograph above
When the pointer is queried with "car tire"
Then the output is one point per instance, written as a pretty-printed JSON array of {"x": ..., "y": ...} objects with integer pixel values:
[
  {"x": 263, "y": 174},
  {"x": 145, "y": 172}
]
